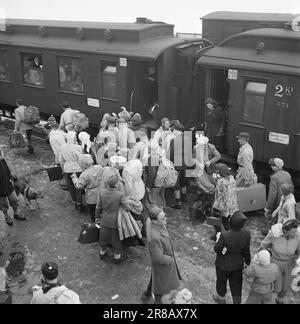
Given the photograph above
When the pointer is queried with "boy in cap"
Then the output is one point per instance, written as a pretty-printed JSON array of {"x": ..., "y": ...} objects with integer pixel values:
[
  {"x": 265, "y": 278},
  {"x": 278, "y": 177},
  {"x": 245, "y": 175},
  {"x": 51, "y": 291}
]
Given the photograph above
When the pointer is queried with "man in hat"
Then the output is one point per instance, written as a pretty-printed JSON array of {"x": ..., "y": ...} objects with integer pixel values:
[
  {"x": 277, "y": 178},
  {"x": 51, "y": 291},
  {"x": 20, "y": 126},
  {"x": 163, "y": 131},
  {"x": 245, "y": 176}
]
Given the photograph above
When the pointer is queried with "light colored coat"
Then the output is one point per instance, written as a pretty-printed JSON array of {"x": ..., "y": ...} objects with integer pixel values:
[
  {"x": 68, "y": 158},
  {"x": 286, "y": 208},
  {"x": 19, "y": 115},
  {"x": 66, "y": 119},
  {"x": 132, "y": 176},
  {"x": 57, "y": 139},
  {"x": 245, "y": 175},
  {"x": 56, "y": 295}
]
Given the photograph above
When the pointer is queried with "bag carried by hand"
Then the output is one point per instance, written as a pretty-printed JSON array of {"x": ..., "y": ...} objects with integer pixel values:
[
  {"x": 55, "y": 173},
  {"x": 16, "y": 140},
  {"x": 31, "y": 115},
  {"x": 89, "y": 233}
]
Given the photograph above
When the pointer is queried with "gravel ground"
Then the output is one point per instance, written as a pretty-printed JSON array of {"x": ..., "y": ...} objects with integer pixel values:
[{"x": 50, "y": 233}]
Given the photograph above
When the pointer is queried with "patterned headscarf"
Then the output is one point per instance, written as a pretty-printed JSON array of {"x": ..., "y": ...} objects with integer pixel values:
[{"x": 85, "y": 161}]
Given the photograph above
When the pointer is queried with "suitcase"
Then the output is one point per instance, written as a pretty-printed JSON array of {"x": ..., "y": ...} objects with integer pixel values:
[
  {"x": 215, "y": 219},
  {"x": 55, "y": 173},
  {"x": 251, "y": 198},
  {"x": 16, "y": 140},
  {"x": 89, "y": 233},
  {"x": 197, "y": 212}
]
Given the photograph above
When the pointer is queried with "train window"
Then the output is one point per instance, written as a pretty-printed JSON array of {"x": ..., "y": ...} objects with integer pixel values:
[
  {"x": 4, "y": 75},
  {"x": 109, "y": 81},
  {"x": 70, "y": 74},
  {"x": 254, "y": 102},
  {"x": 32, "y": 68}
]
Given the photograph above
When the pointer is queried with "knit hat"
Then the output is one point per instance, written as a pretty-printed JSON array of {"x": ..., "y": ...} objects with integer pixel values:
[
  {"x": 154, "y": 212},
  {"x": 263, "y": 257},
  {"x": 237, "y": 220},
  {"x": 136, "y": 119},
  {"x": 124, "y": 114},
  {"x": 276, "y": 162},
  {"x": 112, "y": 181},
  {"x": 286, "y": 189},
  {"x": 85, "y": 161},
  {"x": 50, "y": 270},
  {"x": 184, "y": 296}
]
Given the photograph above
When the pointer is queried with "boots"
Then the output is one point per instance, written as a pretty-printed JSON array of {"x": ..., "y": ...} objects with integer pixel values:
[{"x": 218, "y": 299}]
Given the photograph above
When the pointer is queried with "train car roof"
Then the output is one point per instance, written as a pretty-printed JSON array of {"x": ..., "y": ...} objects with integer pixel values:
[
  {"x": 248, "y": 16},
  {"x": 133, "y": 40},
  {"x": 239, "y": 52}
]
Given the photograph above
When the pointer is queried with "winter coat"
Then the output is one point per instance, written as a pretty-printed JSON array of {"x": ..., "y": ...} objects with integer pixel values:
[
  {"x": 233, "y": 246},
  {"x": 6, "y": 183},
  {"x": 68, "y": 158},
  {"x": 57, "y": 139},
  {"x": 265, "y": 277},
  {"x": 276, "y": 180},
  {"x": 286, "y": 209},
  {"x": 56, "y": 295},
  {"x": 245, "y": 175},
  {"x": 132, "y": 176},
  {"x": 90, "y": 180},
  {"x": 108, "y": 204},
  {"x": 66, "y": 119},
  {"x": 165, "y": 274}
]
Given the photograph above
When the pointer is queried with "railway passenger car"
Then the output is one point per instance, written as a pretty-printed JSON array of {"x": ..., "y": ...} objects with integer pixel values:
[
  {"x": 97, "y": 67},
  {"x": 257, "y": 74}
]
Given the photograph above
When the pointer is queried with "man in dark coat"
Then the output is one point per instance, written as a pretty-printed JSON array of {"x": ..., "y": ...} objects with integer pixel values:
[
  {"x": 233, "y": 250},
  {"x": 7, "y": 192}
]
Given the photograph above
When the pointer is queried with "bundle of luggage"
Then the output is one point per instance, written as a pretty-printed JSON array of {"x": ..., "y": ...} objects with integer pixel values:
[
  {"x": 31, "y": 115},
  {"x": 80, "y": 121},
  {"x": 16, "y": 140}
]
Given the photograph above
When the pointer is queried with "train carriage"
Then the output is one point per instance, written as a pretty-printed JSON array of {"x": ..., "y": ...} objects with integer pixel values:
[
  {"x": 97, "y": 67},
  {"x": 257, "y": 73}
]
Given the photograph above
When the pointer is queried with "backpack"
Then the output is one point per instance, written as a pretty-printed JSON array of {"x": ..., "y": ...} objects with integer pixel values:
[
  {"x": 166, "y": 175},
  {"x": 31, "y": 115}
]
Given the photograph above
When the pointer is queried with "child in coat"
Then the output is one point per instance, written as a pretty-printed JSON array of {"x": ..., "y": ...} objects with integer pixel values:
[{"x": 265, "y": 278}]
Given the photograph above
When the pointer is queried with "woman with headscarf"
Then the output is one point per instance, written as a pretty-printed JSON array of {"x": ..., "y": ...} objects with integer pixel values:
[
  {"x": 206, "y": 156},
  {"x": 87, "y": 145},
  {"x": 286, "y": 208},
  {"x": 68, "y": 159},
  {"x": 165, "y": 275},
  {"x": 225, "y": 203},
  {"x": 89, "y": 180},
  {"x": 283, "y": 241}
]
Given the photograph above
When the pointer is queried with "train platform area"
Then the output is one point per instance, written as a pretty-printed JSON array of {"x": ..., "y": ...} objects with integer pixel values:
[{"x": 50, "y": 234}]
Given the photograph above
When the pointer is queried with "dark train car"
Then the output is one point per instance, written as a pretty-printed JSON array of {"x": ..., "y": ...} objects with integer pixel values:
[
  {"x": 220, "y": 25},
  {"x": 97, "y": 67},
  {"x": 257, "y": 73}
]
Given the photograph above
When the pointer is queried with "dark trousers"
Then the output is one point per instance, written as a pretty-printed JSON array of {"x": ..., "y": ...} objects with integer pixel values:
[
  {"x": 148, "y": 292},
  {"x": 235, "y": 283},
  {"x": 225, "y": 223},
  {"x": 92, "y": 209},
  {"x": 75, "y": 194},
  {"x": 28, "y": 133}
]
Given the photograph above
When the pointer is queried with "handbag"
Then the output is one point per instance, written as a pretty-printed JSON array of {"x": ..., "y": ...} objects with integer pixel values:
[
  {"x": 89, "y": 233},
  {"x": 55, "y": 173},
  {"x": 16, "y": 140}
]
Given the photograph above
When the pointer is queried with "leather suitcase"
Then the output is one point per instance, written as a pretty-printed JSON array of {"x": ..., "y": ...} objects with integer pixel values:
[
  {"x": 89, "y": 233},
  {"x": 55, "y": 173},
  {"x": 251, "y": 198},
  {"x": 16, "y": 140}
]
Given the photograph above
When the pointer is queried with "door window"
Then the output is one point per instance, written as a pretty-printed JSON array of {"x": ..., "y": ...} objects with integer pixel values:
[
  {"x": 254, "y": 102},
  {"x": 4, "y": 75},
  {"x": 109, "y": 81}
]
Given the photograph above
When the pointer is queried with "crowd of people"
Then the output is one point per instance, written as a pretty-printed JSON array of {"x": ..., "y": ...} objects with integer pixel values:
[{"x": 121, "y": 177}]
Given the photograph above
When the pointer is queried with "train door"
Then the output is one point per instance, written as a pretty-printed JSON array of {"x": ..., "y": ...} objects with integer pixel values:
[{"x": 280, "y": 121}]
